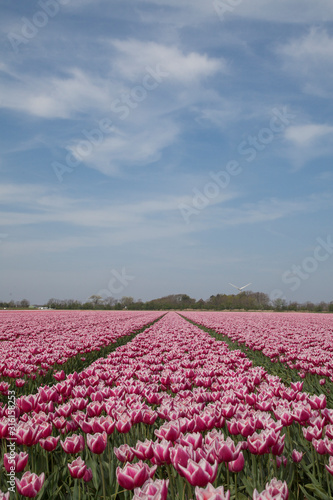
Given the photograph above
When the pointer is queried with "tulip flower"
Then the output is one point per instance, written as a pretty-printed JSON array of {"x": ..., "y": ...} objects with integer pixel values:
[
  {"x": 194, "y": 438},
  {"x": 88, "y": 475},
  {"x": 27, "y": 435},
  {"x": 180, "y": 456},
  {"x": 30, "y": 484},
  {"x": 155, "y": 490},
  {"x": 97, "y": 442},
  {"x": 77, "y": 468},
  {"x": 73, "y": 444},
  {"x": 296, "y": 456},
  {"x": 238, "y": 464},
  {"x": 312, "y": 433},
  {"x": 50, "y": 443},
  {"x": 4, "y": 496},
  {"x": 134, "y": 475},
  {"x": 274, "y": 489},
  {"x": 320, "y": 446},
  {"x": 59, "y": 375},
  {"x": 329, "y": 467},
  {"x": 211, "y": 493},
  {"x": 161, "y": 452},
  {"x": 124, "y": 425},
  {"x": 226, "y": 451},
  {"x": 199, "y": 474},
  {"x": 169, "y": 431},
  {"x": 144, "y": 450},
  {"x": 3, "y": 429},
  {"x": 124, "y": 453},
  {"x": 18, "y": 460}
]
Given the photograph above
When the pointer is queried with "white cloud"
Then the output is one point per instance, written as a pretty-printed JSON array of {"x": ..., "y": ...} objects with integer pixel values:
[
  {"x": 310, "y": 59},
  {"x": 185, "y": 68},
  {"x": 129, "y": 147},
  {"x": 308, "y": 142},
  {"x": 305, "y": 135},
  {"x": 55, "y": 97},
  {"x": 189, "y": 12}
]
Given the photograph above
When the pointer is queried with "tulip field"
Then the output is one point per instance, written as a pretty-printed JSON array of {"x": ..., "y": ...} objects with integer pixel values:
[{"x": 124, "y": 405}]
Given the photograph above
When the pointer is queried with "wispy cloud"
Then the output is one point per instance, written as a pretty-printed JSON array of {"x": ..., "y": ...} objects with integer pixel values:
[
  {"x": 185, "y": 68},
  {"x": 309, "y": 59},
  {"x": 305, "y": 134},
  {"x": 307, "y": 142},
  {"x": 130, "y": 147}
]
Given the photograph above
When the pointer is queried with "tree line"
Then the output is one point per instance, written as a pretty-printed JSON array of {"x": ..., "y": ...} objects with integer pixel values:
[{"x": 247, "y": 300}]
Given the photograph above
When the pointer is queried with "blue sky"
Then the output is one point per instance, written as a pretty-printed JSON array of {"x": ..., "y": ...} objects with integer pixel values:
[{"x": 153, "y": 147}]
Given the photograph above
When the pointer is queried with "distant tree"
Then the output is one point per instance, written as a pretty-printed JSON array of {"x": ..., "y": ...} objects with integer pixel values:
[
  {"x": 109, "y": 302},
  {"x": 126, "y": 301},
  {"x": 279, "y": 304},
  {"x": 293, "y": 306},
  {"x": 95, "y": 300},
  {"x": 24, "y": 303},
  {"x": 200, "y": 304},
  {"x": 322, "y": 306}
]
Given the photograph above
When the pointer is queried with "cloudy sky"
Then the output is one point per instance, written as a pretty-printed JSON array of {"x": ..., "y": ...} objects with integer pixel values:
[{"x": 151, "y": 147}]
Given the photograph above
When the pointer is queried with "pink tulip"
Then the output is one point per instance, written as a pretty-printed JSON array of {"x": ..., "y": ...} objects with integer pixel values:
[
  {"x": 238, "y": 464},
  {"x": 144, "y": 450},
  {"x": 161, "y": 452},
  {"x": 3, "y": 429},
  {"x": 226, "y": 451},
  {"x": 320, "y": 446},
  {"x": 194, "y": 438},
  {"x": 73, "y": 444},
  {"x": 30, "y": 484},
  {"x": 27, "y": 435},
  {"x": 88, "y": 475},
  {"x": 124, "y": 425},
  {"x": 180, "y": 456},
  {"x": 97, "y": 442},
  {"x": 274, "y": 489},
  {"x": 4, "y": 496},
  {"x": 18, "y": 460},
  {"x": 296, "y": 456},
  {"x": 59, "y": 375},
  {"x": 199, "y": 474},
  {"x": 77, "y": 468},
  {"x": 312, "y": 433},
  {"x": 134, "y": 475},
  {"x": 155, "y": 490},
  {"x": 329, "y": 467},
  {"x": 169, "y": 431},
  {"x": 50, "y": 443},
  {"x": 124, "y": 453},
  {"x": 211, "y": 493}
]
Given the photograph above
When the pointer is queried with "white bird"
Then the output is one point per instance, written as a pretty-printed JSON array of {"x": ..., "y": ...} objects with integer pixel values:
[{"x": 240, "y": 288}]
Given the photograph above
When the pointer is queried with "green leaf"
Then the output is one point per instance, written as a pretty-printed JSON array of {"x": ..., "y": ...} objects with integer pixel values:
[
  {"x": 248, "y": 485},
  {"x": 308, "y": 496},
  {"x": 319, "y": 491}
]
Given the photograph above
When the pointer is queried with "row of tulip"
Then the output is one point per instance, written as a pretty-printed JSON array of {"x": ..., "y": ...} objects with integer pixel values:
[
  {"x": 172, "y": 413},
  {"x": 35, "y": 345},
  {"x": 317, "y": 362},
  {"x": 303, "y": 341}
]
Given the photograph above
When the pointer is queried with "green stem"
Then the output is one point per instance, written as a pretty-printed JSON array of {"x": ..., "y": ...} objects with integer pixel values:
[
  {"x": 236, "y": 477},
  {"x": 168, "y": 468},
  {"x": 329, "y": 485},
  {"x": 102, "y": 474}
]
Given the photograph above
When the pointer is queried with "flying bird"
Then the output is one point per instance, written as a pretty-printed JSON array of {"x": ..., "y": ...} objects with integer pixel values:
[{"x": 240, "y": 288}]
